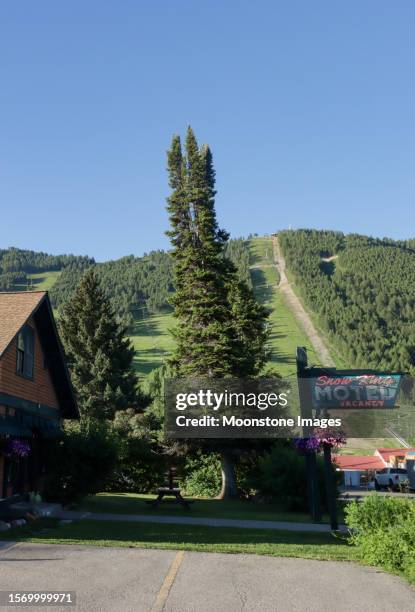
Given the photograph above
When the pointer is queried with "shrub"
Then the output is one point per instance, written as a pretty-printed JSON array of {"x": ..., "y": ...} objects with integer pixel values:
[
  {"x": 139, "y": 468},
  {"x": 202, "y": 475},
  {"x": 247, "y": 473},
  {"x": 79, "y": 462},
  {"x": 378, "y": 512},
  {"x": 282, "y": 475},
  {"x": 384, "y": 530}
]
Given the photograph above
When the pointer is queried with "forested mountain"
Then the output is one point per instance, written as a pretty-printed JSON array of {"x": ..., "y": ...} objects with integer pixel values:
[
  {"x": 136, "y": 285},
  {"x": 362, "y": 290},
  {"x": 17, "y": 264}
]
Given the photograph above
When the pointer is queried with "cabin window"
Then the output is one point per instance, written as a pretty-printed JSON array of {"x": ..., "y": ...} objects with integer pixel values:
[{"x": 25, "y": 352}]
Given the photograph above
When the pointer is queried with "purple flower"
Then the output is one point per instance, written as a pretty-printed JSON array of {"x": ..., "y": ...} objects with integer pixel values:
[
  {"x": 307, "y": 444},
  {"x": 335, "y": 439},
  {"x": 319, "y": 439},
  {"x": 17, "y": 448}
]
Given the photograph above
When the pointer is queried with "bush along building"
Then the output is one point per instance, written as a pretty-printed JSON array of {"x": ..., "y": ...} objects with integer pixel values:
[{"x": 35, "y": 389}]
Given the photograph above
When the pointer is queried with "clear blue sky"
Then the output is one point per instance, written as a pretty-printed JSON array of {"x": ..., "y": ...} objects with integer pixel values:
[{"x": 307, "y": 106}]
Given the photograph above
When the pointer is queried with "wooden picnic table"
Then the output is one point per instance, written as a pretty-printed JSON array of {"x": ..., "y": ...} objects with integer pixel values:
[
  {"x": 165, "y": 491},
  {"x": 170, "y": 490}
]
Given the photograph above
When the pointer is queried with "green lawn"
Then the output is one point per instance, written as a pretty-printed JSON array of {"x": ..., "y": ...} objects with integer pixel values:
[
  {"x": 307, "y": 545},
  {"x": 39, "y": 281},
  {"x": 260, "y": 251},
  {"x": 44, "y": 281},
  {"x": 367, "y": 446},
  {"x": 132, "y": 503},
  {"x": 285, "y": 333},
  {"x": 152, "y": 341}
]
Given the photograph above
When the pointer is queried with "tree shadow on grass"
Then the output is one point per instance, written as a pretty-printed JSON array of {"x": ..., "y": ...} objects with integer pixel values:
[
  {"x": 113, "y": 532},
  {"x": 277, "y": 356},
  {"x": 127, "y": 503},
  {"x": 254, "y": 257},
  {"x": 145, "y": 361},
  {"x": 262, "y": 288},
  {"x": 147, "y": 327}
]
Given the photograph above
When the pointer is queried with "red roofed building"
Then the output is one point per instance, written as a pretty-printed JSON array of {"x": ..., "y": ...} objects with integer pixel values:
[
  {"x": 354, "y": 466},
  {"x": 394, "y": 457},
  {"x": 359, "y": 462}
]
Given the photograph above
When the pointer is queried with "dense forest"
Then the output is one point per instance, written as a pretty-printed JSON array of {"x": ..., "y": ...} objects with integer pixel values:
[
  {"x": 136, "y": 285},
  {"x": 237, "y": 250},
  {"x": 362, "y": 290},
  {"x": 16, "y": 265}
]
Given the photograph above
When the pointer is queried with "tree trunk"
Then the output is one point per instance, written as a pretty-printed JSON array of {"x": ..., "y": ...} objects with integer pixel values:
[{"x": 229, "y": 488}]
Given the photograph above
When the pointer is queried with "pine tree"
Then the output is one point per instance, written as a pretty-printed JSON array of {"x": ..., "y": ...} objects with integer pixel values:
[
  {"x": 248, "y": 317},
  {"x": 99, "y": 356},
  {"x": 221, "y": 327},
  {"x": 205, "y": 337}
]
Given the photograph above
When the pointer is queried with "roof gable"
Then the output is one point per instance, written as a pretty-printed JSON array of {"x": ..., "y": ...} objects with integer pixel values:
[{"x": 15, "y": 310}]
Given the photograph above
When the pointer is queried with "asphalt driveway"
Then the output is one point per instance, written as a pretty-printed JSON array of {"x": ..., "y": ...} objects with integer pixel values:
[{"x": 133, "y": 579}]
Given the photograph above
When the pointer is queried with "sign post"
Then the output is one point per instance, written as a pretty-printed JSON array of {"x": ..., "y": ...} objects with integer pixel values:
[
  {"x": 330, "y": 487},
  {"x": 310, "y": 455},
  {"x": 327, "y": 389}
]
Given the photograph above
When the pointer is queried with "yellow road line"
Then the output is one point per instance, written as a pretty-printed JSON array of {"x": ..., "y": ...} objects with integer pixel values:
[{"x": 168, "y": 583}]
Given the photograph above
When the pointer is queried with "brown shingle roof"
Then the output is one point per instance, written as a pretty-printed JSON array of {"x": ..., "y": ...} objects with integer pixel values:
[{"x": 15, "y": 309}]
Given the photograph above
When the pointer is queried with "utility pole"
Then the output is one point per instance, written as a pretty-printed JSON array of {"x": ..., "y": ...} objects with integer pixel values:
[{"x": 306, "y": 412}]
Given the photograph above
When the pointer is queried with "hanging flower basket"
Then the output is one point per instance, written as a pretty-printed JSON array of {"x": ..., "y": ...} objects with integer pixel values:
[
  {"x": 320, "y": 439},
  {"x": 15, "y": 448},
  {"x": 305, "y": 445}
]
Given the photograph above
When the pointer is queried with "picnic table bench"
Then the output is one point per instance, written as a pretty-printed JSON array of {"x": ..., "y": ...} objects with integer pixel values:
[{"x": 170, "y": 490}]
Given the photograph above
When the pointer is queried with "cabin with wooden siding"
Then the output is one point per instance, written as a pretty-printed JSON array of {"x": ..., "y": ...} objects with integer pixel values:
[{"x": 35, "y": 388}]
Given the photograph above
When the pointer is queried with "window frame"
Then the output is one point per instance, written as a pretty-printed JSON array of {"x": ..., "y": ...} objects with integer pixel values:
[{"x": 27, "y": 335}]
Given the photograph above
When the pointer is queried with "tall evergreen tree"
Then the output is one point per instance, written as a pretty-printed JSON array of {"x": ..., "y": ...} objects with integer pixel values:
[
  {"x": 100, "y": 357},
  {"x": 248, "y": 317},
  {"x": 221, "y": 327},
  {"x": 205, "y": 337}
]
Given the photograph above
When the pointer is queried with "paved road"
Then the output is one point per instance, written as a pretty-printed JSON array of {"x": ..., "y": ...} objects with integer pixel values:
[{"x": 124, "y": 580}]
